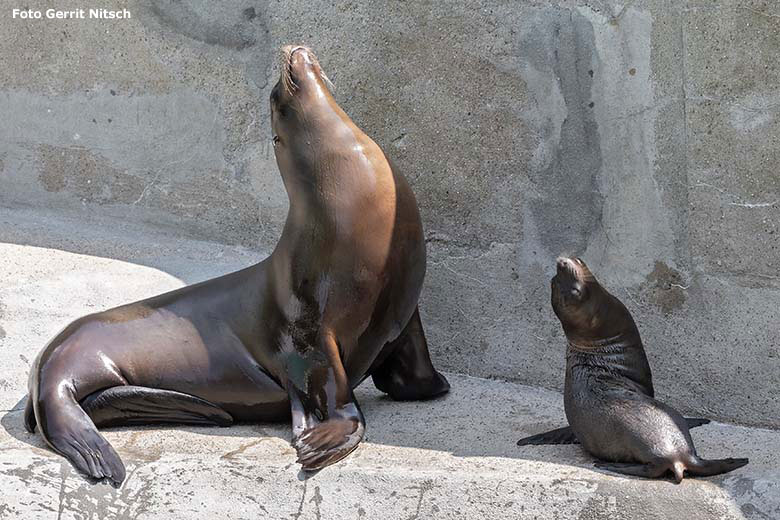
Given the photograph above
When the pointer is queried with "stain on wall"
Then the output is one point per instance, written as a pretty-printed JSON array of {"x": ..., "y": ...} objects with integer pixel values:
[{"x": 557, "y": 49}]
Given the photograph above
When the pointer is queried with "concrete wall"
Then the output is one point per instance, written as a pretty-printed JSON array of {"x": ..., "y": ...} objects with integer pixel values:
[{"x": 643, "y": 136}]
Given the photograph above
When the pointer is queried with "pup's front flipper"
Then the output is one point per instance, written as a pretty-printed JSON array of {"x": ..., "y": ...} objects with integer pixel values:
[
  {"x": 327, "y": 421},
  {"x": 557, "y": 436},
  {"x": 693, "y": 422}
]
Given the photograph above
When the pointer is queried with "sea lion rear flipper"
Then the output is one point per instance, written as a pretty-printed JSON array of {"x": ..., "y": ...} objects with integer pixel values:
[
  {"x": 327, "y": 422},
  {"x": 407, "y": 373},
  {"x": 558, "y": 436},
  {"x": 694, "y": 422},
  {"x": 132, "y": 405},
  {"x": 69, "y": 431},
  {"x": 706, "y": 468}
]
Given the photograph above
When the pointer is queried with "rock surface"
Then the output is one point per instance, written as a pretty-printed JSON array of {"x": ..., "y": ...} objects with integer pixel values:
[{"x": 454, "y": 457}]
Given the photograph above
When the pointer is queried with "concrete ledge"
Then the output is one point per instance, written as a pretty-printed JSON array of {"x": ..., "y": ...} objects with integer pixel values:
[{"x": 451, "y": 458}]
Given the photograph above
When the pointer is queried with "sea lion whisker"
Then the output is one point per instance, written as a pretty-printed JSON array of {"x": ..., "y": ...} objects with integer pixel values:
[
  {"x": 285, "y": 69},
  {"x": 327, "y": 81}
]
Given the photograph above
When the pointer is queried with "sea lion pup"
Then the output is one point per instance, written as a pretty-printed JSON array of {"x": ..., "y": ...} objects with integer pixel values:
[
  {"x": 608, "y": 395},
  {"x": 292, "y": 336}
]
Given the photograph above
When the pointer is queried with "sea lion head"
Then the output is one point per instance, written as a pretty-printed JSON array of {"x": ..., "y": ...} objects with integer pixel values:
[
  {"x": 590, "y": 315},
  {"x": 301, "y": 96}
]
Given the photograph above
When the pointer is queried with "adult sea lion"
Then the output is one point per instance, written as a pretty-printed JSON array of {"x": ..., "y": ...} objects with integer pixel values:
[
  {"x": 608, "y": 395},
  {"x": 335, "y": 302}
]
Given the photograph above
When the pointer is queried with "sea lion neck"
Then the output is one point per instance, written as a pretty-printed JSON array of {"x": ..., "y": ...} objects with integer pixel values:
[
  {"x": 326, "y": 150},
  {"x": 621, "y": 341}
]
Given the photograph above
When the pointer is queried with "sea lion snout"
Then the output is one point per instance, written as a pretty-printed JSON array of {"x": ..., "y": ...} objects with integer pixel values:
[
  {"x": 568, "y": 290},
  {"x": 300, "y": 68},
  {"x": 571, "y": 266},
  {"x": 300, "y": 56},
  {"x": 566, "y": 275},
  {"x": 566, "y": 266}
]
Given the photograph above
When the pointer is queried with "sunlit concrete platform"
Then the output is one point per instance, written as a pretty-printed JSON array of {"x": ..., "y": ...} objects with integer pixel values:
[{"x": 451, "y": 458}]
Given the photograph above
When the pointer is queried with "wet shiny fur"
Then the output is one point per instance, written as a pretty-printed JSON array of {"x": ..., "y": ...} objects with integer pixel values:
[
  {"x": 608, "y": 394},
  {"x": 289, "y": 337}
]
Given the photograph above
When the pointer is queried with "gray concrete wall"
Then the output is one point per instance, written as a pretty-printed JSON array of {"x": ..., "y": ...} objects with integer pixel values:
[{"x": 643, "y": 136}]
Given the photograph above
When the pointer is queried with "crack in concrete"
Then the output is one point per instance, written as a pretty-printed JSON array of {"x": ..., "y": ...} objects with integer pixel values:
[
  {"x": 684, "y": 87},
  {"x": 425, "y": 486},
  {"x": 756, "y": 11},
  {"x": 754, "y": 205},
  {"x": 241, "y": 449},
  {"x": 64, "y": 470},
  {"x": 147, "y": 187},
  {"x": 616, "y": 19},
  {"x": 741, "y": 204},
  {"x": 317, "y": 499},
  {"x": 297, "y": 515},
  {"x": 453, "y": 271}
]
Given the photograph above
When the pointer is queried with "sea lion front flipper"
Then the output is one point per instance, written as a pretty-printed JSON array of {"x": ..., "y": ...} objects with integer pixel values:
[
  {"x": 557, "y": 436},
  {"x": 135, "y": 405},
  {"x": 693, "y": 422},
  {"x": 653, "y": 470},
  {"x": 327, "y": 421},
  {"x": 407, "y": 373}
]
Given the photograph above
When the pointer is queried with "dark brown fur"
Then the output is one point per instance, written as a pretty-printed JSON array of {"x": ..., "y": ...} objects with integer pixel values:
[
  {"x": 291, "y": 336},
  {"x": 608, "y": 393}
]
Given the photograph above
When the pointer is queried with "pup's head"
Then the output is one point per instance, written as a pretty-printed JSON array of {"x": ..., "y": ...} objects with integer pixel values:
[{"x": 588, "y": 313}]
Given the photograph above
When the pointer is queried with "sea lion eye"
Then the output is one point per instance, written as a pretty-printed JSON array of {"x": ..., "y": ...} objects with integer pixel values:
[{"x": 577, "y": 292}]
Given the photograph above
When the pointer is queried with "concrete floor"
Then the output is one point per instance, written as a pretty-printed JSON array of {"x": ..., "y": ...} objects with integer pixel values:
[{"x": 451, "y": 458}]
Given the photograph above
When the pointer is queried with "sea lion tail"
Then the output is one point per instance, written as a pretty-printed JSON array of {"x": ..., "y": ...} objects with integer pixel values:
[{"x": 706, "y": 468}]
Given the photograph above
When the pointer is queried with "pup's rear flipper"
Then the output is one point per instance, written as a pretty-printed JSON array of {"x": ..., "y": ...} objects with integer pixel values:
[
  {"x": 135, "y": 405},
  {"x": 653, "y": 470},
  {"x": 29, "y": 416},
  {"x": 706, "y": 468},
  {"x": 566, "y": 435},
  {"x": 558, "y": 436}
]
